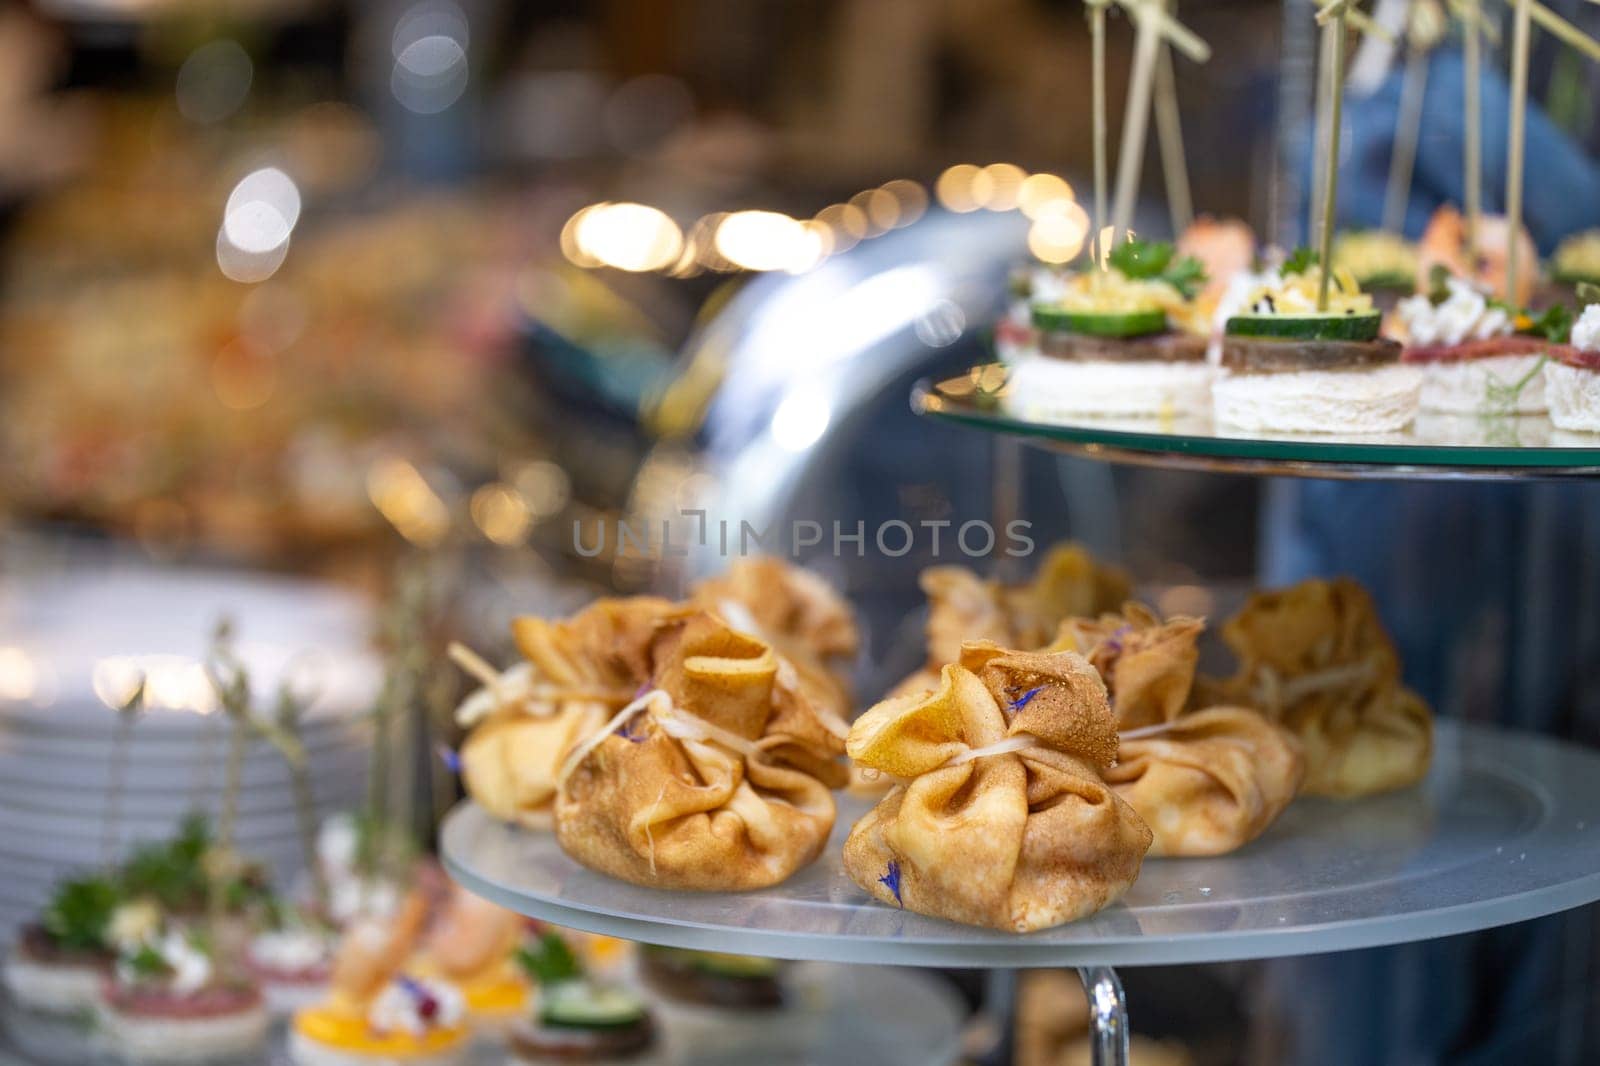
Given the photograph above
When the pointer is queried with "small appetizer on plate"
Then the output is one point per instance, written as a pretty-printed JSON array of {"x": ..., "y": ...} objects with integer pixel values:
[
  {"x": 1289, "y": 367},
  {"x": 1572, "y": 377},
  {"x": 1477, "y": 355},
  {"x": 169, "y": 1001},
  {"x": 1003, "y": 820},
  {"x": 1119, "y": 341},
  {"x": 1444, "y": 243},
  {"x": 1015, "y": 337},
  {"x": 1384, "y": 264},
  {"x": 58, "y": 963},
  {"x": 473, "y": 944},
  {"x": 376, "y": 1014},
  {"x": 713, "y": 979},
  {"x": 1577, "y": 259},
  {"x": 291, "y": 960},
  {"x": 578, "y": 1019}
]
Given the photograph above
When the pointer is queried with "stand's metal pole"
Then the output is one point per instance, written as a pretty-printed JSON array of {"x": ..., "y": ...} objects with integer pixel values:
[{"x": 1108, "y": 1015}]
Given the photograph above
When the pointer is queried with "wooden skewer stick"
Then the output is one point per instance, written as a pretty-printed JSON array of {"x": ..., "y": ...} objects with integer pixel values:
[
  {"x": 1154, "y": 25},
  {"x": 1097, "y": 33},
  {"x": 1403, "y": 159},
  {"x": 1521, "y": 31},
  {"x": 1319, "y": 136},
  {"x": 1135, "y": 121},
  {"x": 1563, "y": 30},
  {"x": 1169, "y": 135},
  {"x": 1330, "y": 184},
  {"x": 1472, "y": 144}
]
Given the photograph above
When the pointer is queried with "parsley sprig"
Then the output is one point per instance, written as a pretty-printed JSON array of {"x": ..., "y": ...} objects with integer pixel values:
[
  {"x": 550, "y": 961},
  {"x": 1153, "y": 261},
  {"x": 1300, "y": 261}
]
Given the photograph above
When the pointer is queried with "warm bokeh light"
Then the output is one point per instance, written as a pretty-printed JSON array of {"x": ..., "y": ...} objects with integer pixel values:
[
  {"x": 402, "y": 495},
  {"x": 766, "y": 240},
  {"x": 998, "y": 186},
  {"x": 569, "y": 240},
  {"x": 633, "y": 237},
  {"x": 881, "y": 209},
  {"x": 1043, "y": 193},
  {"x": 1057, "y": 237},
  {"x": 171, "y": 682},
  {"x": 501, "y": 513},
  {"x": 19, "y": 679},
  {"x": 955, "y": 188},
  {"x": 911, "y": 198},
  {"x": 846, "y": 223}
]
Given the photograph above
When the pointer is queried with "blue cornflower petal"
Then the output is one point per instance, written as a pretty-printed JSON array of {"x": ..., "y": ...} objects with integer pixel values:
[
  {"x": 450, "y": 757},
  {"x": 891, "y": 881},
  {"x": 1024, "y": 699}
]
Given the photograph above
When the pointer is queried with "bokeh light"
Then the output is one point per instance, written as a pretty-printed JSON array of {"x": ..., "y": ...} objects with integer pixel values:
[
  {"x": 1058, "y": 236},
  {"x": 766, "y": 240},
  {"x": 955, "y": 188},
  {"x": 998, "y": 186},
  {"x": 1043, "y": 193},
  {"x": 430, "y": 57},
  {"x": 633, "y": 237}
]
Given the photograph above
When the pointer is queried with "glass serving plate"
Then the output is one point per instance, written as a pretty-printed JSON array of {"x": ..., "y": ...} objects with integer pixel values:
[
  {"x": 1506, "y": 827},
  {"x": 1488, "y": 446}
]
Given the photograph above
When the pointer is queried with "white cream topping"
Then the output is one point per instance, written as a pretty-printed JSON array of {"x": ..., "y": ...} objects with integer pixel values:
[
  {"x": 402, "y": 1006},
  {"x": 1236, "y": 297},
  {"x": 1465, "y": 315},
  {"x": 292, "y": 950},
  {"x": 1048, "y": 287},
  {"x": 191, "y": 968},
  {"x": 1586, "y": 331}
]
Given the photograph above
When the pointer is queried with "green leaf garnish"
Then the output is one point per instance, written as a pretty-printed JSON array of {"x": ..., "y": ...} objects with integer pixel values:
[
  {"x": 147, "y": 962},
  {"x": 80, "y": 913},
  {"x": 551, "y": 961},
  {"x": 1152, "y": 261},
  {"x": 1438, "y": 283},
  {"x": 1299, "y": 261},
  {"x": 1141, "y": 259},
  {"x": 1553, "y": 324}
]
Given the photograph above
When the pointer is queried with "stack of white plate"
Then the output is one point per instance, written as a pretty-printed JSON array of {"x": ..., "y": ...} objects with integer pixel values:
[{"x": 78, "y": 791}]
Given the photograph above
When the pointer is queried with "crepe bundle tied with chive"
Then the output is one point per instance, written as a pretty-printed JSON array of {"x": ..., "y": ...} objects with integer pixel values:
[
  {"x": 1315, "y": 658},
  {"x": 1002, "y": 819},
  {"x": 720, "y": 777},
  {"x": 804, "y": 619},
  {"x": 963, "y": 606},
  {"x": 1207, "y": 779},
  {"x": 576, "y": 673}
]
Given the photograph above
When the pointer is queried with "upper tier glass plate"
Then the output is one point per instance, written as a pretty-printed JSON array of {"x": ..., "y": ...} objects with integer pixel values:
[
  {"x": 1505, "y": 828},
  {"x": 1435, "y": 446}
]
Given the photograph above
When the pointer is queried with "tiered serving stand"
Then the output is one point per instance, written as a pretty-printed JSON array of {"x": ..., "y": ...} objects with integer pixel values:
[{"x": 1506, "y": 826}]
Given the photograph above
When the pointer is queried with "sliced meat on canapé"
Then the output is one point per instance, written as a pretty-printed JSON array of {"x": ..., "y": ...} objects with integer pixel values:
[
  {"x": 1259, "y": 355},
  {"x": 1153, "y": 348}
]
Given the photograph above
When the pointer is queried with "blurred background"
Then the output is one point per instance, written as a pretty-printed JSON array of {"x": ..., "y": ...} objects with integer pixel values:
[{"x": 300, "y": 298}]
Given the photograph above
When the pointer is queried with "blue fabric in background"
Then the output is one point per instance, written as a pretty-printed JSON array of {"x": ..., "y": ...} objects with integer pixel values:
[{"x": 1561, "y": 180}]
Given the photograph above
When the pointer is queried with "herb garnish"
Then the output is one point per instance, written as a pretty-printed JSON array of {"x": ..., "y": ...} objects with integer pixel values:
[
  {"x": 1300, "y": 261},
  {"x": 551, "y": 961},
  {"x": 1554, "y": 324},
  {"x": 80, "y": 913},
  {"x": 1153, "y": 261}
]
